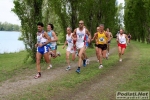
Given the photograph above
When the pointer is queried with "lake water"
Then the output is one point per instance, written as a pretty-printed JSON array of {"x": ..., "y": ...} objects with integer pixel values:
[{"x": 9, "y": 42}]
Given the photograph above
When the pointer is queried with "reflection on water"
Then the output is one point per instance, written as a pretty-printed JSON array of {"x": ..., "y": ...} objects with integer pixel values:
[{"x": 9, "y": 42}]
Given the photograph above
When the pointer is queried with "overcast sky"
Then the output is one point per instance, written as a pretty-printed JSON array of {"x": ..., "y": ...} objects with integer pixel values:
[{"x": 6, "y": 15}]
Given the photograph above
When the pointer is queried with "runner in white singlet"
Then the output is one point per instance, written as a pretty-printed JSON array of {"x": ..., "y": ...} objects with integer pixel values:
[
  {"x": 122, "y": 40},
  {"x": 70, "y": 47},
  {"x": 80, "y": 41},
  {"x": 84, "y": 56},
  {"x": 42, "y": 49}
]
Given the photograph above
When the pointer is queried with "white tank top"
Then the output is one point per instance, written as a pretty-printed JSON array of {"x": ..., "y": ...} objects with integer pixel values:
[
  {"x": 40, "y": 38},
  {"x": 122, "y": 39},
  {"x": 69, "y": 40},
  {"x": 80, "y": 35}
]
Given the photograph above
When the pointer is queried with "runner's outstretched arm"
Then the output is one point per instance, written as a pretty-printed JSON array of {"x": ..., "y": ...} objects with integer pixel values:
[
  {"x": 111, "y": 36},
  {"x": 108, "y": 37},
  {"x": 74, "y": 33},
  {"x": 127, "y": 39},
  {"x": 89, "y": 34},
  {"x": 95, "y": 35},
  {"x": 64, "y": 44}
]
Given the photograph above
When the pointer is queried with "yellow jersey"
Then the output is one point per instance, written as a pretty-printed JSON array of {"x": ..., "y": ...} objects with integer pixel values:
[{"x": 102, "y": 39}]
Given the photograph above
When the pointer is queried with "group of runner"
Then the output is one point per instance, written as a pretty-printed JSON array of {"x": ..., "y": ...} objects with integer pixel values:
[{"x": 76, "y": 41}]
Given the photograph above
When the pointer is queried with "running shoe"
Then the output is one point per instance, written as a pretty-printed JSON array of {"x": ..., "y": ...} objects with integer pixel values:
[
  {"x": 108, "y": 54},
  {"x": 37, "y": 76},
  {"x": 68, "y": 68},
  {"x": 76, "y": 53},
  {"x": 100, "y": 66},
  {"x": 107, "y": 58},
  {"x": 87, "y": 61},
  {"x": 120, "y": 60},
  {"x": 49, "y": 67},
  {"x": 84, "y": 63},
  {"x": 58, "y": 53},
  {"x": 78, "y": 70}
]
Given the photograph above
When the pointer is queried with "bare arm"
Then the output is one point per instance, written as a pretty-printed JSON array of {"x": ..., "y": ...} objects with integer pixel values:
[
  {"x": 74, "y": 33},
  {"x": 88, "y": 33},
  {"x": 64, "y": 44},
  {"x": 127, "y": 38},
  {"x": 55, "y": 37},
  {"x": 111, "y": 35},
  {"x": 48, "y": 39},
  {"x": 95, "y": 36},
  {"x": 108, "y": 36}
]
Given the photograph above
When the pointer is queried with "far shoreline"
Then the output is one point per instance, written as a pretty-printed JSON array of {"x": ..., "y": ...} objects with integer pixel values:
[
  {"x": 9, "y": 31},
  {"x": 12, "y": 52}
]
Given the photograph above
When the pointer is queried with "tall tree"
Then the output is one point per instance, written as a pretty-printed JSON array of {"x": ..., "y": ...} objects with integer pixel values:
[
  {"x": 30, "y": 13},
  {"x": 136, "y": 19}
]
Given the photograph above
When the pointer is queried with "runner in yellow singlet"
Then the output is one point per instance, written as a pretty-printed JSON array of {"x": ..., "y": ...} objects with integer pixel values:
[{"x": 103, "y": 38}]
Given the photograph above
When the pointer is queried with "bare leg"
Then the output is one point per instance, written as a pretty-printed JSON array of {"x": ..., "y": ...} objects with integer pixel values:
[
  {"x": 67, "y": 57},
  {"x": 97, "y": 54},
  {"x": 46, "y": 57},
  {"x": 122, "y": 51},
  {"x": 38, "y": 58},
  {"x": 80, "y": 56},
  {"x": 54, "y": 52},
  {"x": 104, "y": 53},
  {"x": 119, "y": 51},
  {"x": 108, "y": 47},
  {"x": 73, "y": 56},
  {"x": 100, "y": 55}
]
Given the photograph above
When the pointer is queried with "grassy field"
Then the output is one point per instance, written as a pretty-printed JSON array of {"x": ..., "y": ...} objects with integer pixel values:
[
  {"x": 138, "y": 80},
  {"x": 69, "y": 81},
  {"x": 12, "y": 64}
]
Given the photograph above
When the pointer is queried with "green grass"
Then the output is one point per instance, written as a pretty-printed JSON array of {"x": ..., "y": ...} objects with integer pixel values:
[
  {"x": 9, "y": 63},
  {"x": 140, "y": 78},
  {"x": 12, "y": 64},
  {"x": 47, "y": 90}
]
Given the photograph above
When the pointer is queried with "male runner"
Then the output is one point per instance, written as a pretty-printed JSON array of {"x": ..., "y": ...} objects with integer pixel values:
[
  {"x": 103, "y": 39},
  {"x": 84, "y": 56},
  {"x": 80, "y": 41},
  {"x": 52, "y": 45},
  {"x": 111, "y": 36},
  {"x": 122, "y": 40},
  {"x": 129, "y": 37},
  {"x": 96, "y": 44},
  {"x": 70, "y": 48},
  {"x": 42, "y": 49}
]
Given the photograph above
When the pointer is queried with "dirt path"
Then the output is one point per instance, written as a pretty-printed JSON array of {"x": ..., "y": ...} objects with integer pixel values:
[
  {"x": 104, "y": 86},
  {"x": 23, "y": 81}
]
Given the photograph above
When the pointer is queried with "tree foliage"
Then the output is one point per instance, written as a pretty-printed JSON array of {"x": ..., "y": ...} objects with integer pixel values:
[
  {"x": 63, "y": 13},
  {"x": 137, "y": 19},
  {"x": 30, "y": 13},
  {"x": 92, "y": 12},
  {"x": 9, "y": 27}
]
